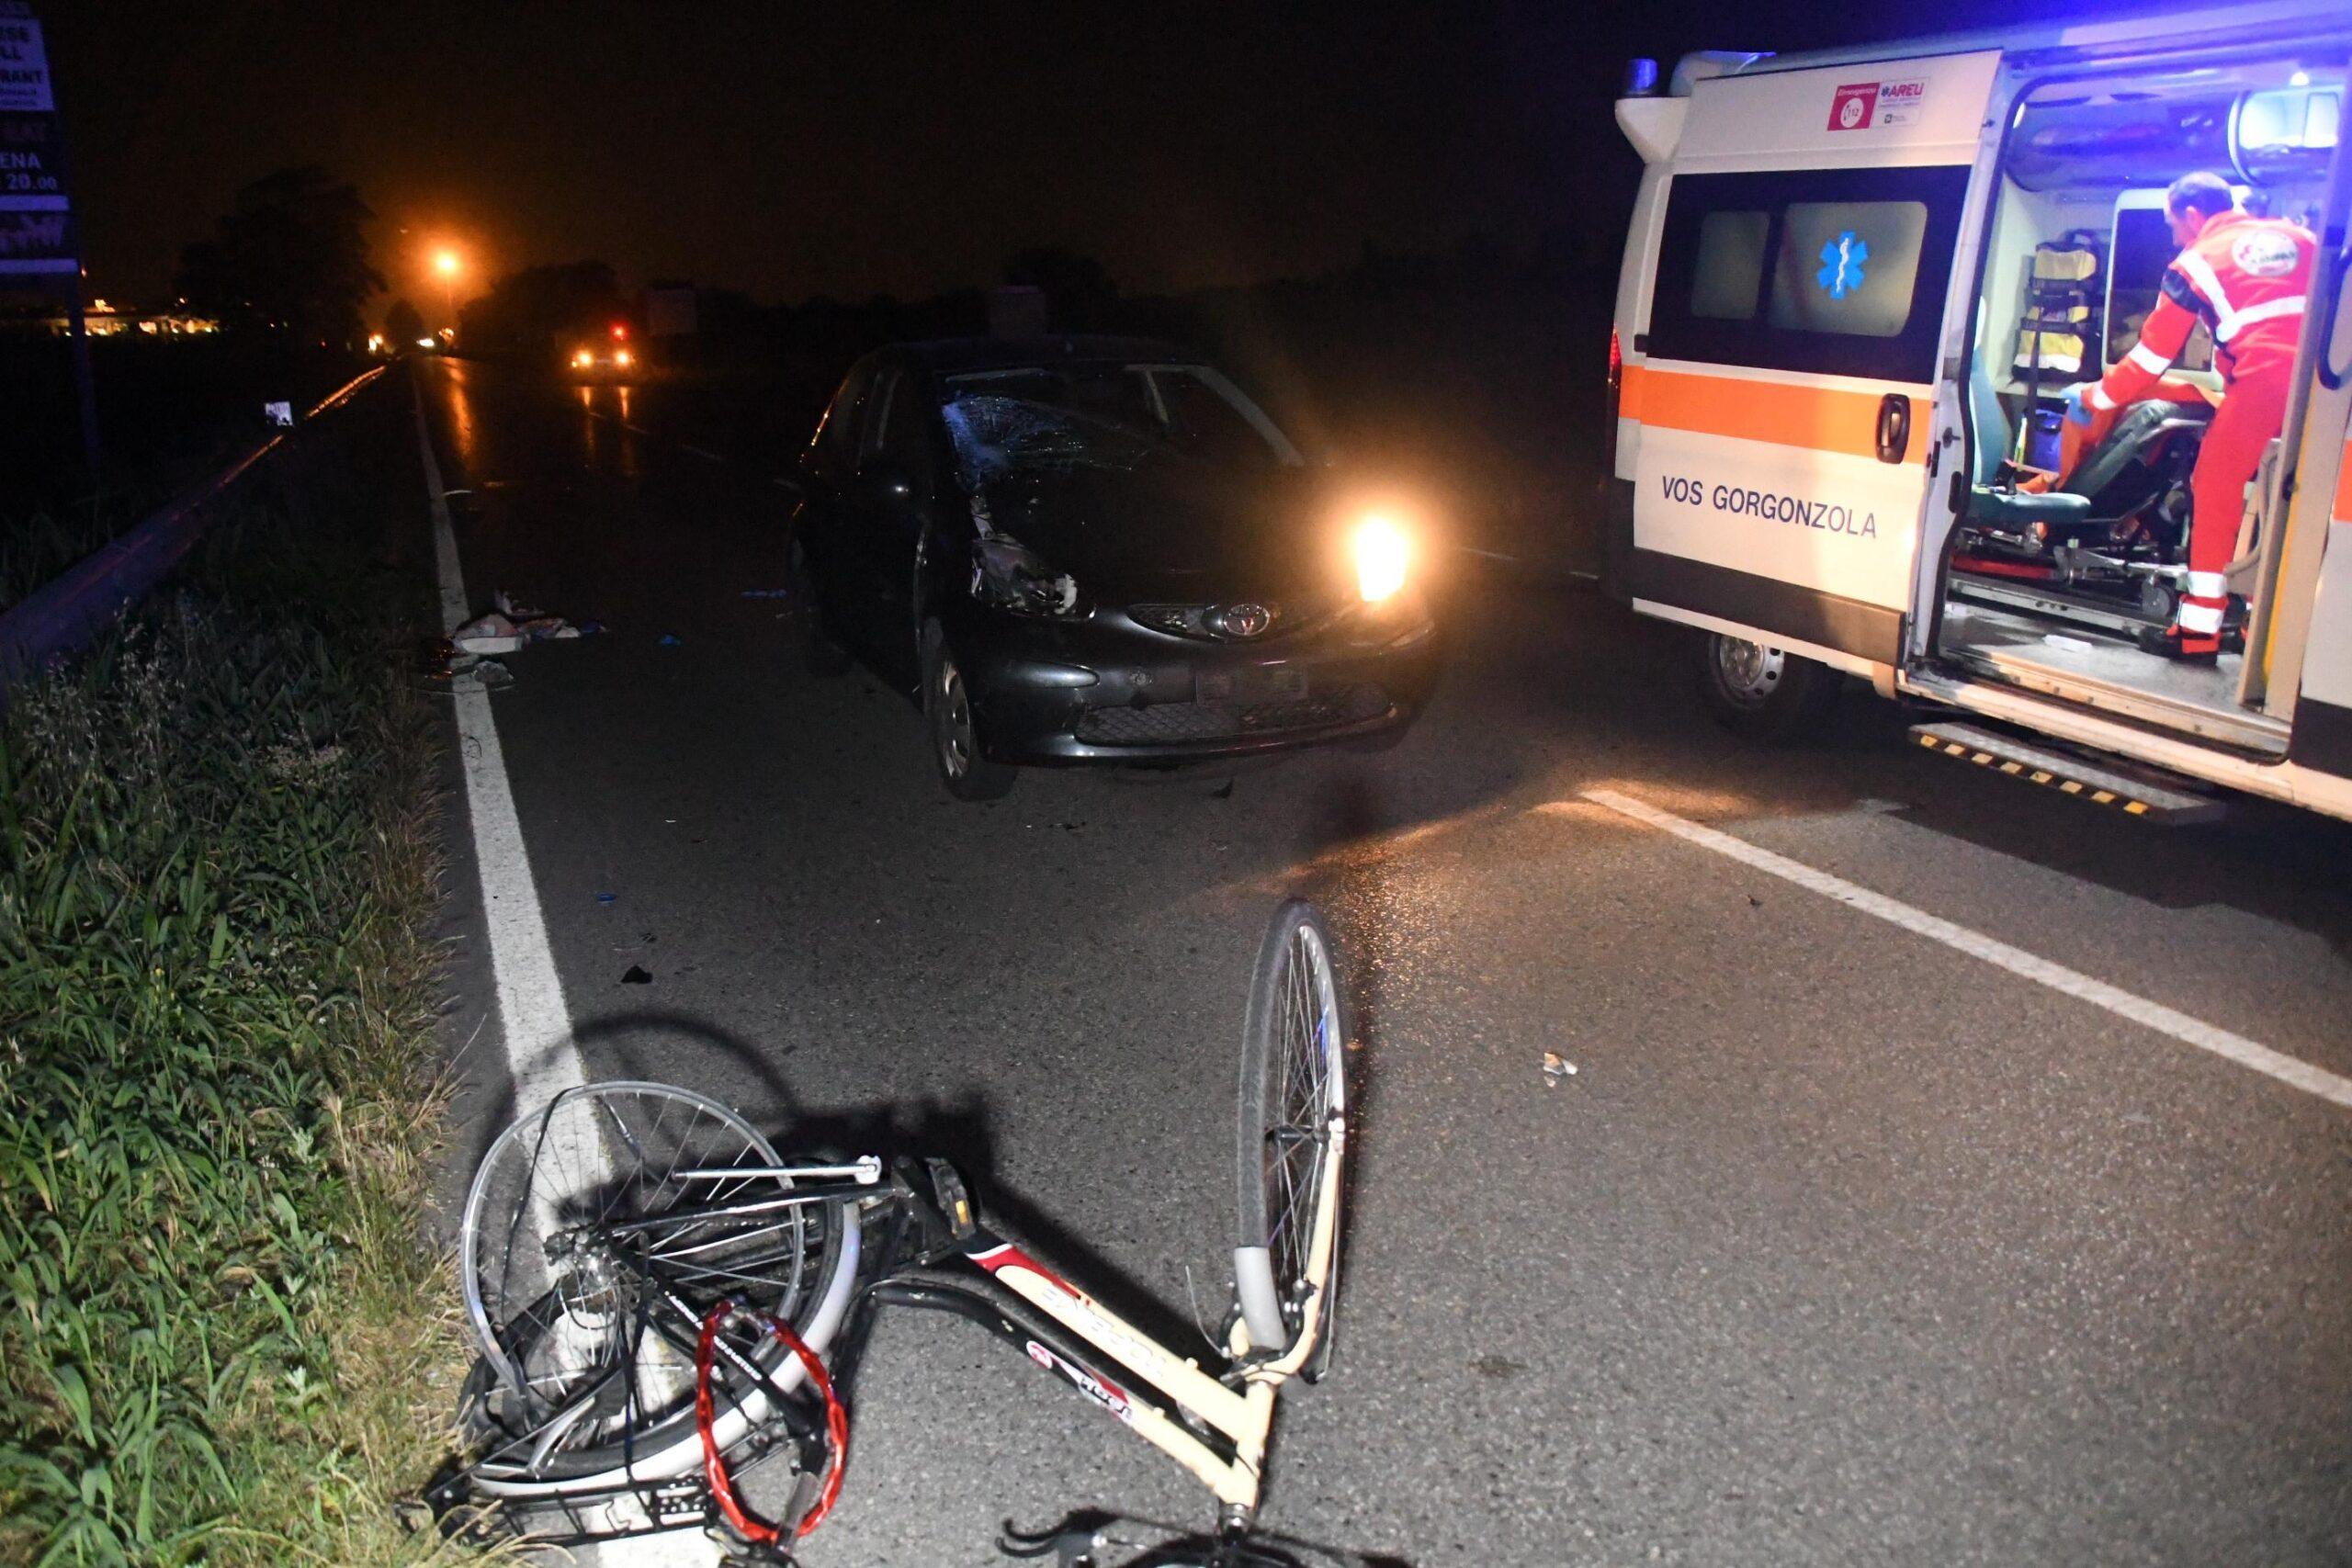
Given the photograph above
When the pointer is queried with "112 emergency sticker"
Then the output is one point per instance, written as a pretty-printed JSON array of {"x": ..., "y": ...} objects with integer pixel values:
[{"x": 1858, "y": 106}]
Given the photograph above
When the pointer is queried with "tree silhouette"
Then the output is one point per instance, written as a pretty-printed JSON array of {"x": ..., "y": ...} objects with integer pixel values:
[
  {"x": 289, "y": 259},
  {"x": 402, "y": 325},
  {"x": 544, "y": 306},
  {"x": 1079, "y": 290}
]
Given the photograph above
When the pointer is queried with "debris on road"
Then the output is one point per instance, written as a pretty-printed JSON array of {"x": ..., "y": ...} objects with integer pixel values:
[
  {"x": 606, "y": 898},
  {"x": 668, "y": 640},
  {"x": 506, "y": 604},
  {"x": 501, "y": 632},
  {"x": 635, "y": 974},
  {"x": 1557, "y": 1069},
  {"x": 493, "y": 633},
  {"x": 489, "y": 674},
  {"x": 767, "y": 593}
]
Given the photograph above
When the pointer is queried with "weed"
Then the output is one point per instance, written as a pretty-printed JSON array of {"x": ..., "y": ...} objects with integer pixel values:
[{"x": 223, "y": 1335}]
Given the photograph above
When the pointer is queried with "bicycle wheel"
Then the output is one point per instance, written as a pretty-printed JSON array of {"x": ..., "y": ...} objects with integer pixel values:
[
  {"x": 1293, "y": 1106},
  {"x": 580, "y": 1379}
]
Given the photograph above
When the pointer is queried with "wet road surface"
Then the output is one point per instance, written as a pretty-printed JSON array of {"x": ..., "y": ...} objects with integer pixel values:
[{"x": 1842, "y": 1246}]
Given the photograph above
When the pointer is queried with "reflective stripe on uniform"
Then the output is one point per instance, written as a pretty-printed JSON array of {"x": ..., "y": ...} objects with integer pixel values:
[
  {"x": 2208, "y": 584},
  {"x": 2205, "y": 619},
  {"x": 2209, "y": 286},
  {"x": 2148, "y": 359},
  {"x": 2097, "y": 396},
  {"x": 2233, "y": 323}
]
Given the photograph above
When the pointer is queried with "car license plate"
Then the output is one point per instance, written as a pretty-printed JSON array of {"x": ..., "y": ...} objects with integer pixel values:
[{"x": 1279, "y": 683}]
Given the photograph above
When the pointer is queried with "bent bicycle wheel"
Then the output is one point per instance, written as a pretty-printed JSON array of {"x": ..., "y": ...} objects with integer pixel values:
[
  {"x": 580, "y": 1378},
  {"x": 1294, "y": 1115}
]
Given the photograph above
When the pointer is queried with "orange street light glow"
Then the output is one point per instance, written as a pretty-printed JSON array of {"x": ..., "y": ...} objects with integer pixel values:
[{"x": 447, "y": 264}]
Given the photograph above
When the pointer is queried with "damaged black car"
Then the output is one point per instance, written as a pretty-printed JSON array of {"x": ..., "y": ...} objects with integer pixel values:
[{"x": 1077, "y": 550}]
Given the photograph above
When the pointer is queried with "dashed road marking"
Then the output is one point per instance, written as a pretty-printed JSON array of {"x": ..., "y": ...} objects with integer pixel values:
[{"x": 2068, "y": 982}]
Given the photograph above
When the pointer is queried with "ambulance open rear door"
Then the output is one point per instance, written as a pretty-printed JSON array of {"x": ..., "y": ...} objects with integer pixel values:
[{"x": 1781, "y": 391}]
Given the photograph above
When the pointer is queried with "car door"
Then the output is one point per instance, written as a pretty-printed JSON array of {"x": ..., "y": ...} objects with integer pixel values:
[
  {"x": 890, "y": 501},
  {"x": 1782, "y": 387},
  {"x": 825, "y": 526}
]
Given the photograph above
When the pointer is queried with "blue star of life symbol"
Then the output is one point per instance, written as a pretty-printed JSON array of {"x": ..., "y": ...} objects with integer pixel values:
[{"x": 1841, "y": 265}]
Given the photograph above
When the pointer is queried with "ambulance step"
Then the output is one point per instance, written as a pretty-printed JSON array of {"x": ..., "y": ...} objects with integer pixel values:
[{"x": 2167, "y": 799}]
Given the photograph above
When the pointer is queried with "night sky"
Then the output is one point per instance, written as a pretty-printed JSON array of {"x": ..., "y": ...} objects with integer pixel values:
[{"x": 792, "y": 150}]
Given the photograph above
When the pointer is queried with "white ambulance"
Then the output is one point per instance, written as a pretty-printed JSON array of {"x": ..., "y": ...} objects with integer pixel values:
[{"x": 1857, "y": 287}]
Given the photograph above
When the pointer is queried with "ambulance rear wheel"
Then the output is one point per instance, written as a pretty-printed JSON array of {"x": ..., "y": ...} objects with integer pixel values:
[{"x": 1765, "y": 692}]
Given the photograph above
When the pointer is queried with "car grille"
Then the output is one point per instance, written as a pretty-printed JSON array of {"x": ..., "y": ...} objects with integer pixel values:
[
  {"x": 1165, "y": 723},
  {"x": 1289, "y": 618}
]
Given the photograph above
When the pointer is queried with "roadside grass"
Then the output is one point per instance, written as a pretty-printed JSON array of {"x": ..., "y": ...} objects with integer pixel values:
[{"x": 224, "y": 1336}]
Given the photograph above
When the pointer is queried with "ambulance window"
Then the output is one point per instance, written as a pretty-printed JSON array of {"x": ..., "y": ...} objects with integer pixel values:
[
  {"x": 1729, "y": 274},
  {"x": 2141, "y": 251},
  {"x": 1838, "y": 272},
  {"x": 1848, "y": 266}
]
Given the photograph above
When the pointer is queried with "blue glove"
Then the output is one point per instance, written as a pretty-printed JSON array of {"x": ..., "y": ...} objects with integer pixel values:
[{"x": 2077, "y": 411}]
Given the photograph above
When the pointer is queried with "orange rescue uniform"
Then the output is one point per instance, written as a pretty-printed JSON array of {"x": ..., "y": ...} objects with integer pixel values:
[{"x": 2246, "y": 279}]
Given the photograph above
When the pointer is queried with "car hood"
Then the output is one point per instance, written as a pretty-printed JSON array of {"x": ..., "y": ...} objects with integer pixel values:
[{"x": 1175, "y": 531}]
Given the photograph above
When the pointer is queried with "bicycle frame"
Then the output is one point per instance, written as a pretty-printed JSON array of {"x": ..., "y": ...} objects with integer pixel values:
[
  {"x": 961, "y": 1263},
  {"x": 1233, "y": 1468}
]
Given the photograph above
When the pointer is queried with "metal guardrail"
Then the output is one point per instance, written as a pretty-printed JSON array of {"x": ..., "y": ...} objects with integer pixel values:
[{"x": 84, "y": 599}]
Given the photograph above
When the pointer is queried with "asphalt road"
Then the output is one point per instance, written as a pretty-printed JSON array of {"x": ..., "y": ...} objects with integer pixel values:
[{"x": 1840, "y": 1246}]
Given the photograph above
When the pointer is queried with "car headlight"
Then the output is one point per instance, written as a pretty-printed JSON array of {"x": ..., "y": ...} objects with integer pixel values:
[
  {"x": 583, "y": 359},
  {"x": 623, "y": 358},
  {"x": 1383, "y": 556},
  {"x": 1009, "y": 575}
]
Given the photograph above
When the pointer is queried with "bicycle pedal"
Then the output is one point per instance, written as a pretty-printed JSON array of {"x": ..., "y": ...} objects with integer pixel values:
[{"x": 954, "y": 1200}]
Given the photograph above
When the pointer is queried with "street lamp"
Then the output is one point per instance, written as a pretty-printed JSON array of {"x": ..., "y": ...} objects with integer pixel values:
[{"x": 449, "y": 265}]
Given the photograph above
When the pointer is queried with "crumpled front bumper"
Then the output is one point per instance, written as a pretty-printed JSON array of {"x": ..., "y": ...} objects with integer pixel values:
[{"x": 1104, "y": 689}]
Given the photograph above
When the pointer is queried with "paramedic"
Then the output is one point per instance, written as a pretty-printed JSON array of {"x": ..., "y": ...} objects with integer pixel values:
[{"x": 2245, "y": 278}]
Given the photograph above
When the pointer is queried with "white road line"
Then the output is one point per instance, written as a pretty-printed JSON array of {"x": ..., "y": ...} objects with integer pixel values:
[
  {"x": 531, "y": 1011},
  {"x": 703, "y": 452},
  {"x": 2058, "y": 978},
  {"x": 533, "y": 1019}
]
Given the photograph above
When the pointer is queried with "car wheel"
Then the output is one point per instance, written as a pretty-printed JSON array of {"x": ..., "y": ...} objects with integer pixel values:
[
  {"x": 819, "y": 654},
  {"x": 1765, "y": 692},
  {"x": 955, "y": 738}
]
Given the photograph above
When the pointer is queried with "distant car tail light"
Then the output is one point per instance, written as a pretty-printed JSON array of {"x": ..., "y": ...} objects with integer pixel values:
[{"x": 623, "y": 358}]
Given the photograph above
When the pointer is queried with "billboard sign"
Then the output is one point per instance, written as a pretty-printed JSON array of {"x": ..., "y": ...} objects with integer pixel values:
[
  {"x": 36, "y": 218},
  {"x": 23, "y": 64}
]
